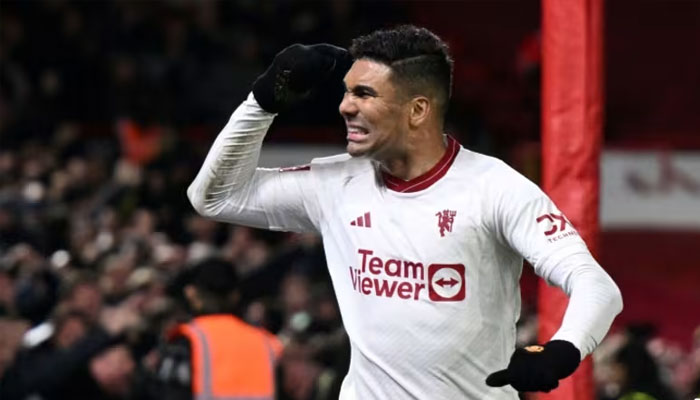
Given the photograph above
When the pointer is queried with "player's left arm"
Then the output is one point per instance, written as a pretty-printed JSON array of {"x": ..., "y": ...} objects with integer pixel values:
[{"x": 534, "y": 227}]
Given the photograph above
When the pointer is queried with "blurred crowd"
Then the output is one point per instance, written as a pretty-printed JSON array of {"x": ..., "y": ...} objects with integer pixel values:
[
  {"x": 91, "y": 252},
  {"x": 149, "y": 66},
  {"x": 635, "y": 364},
  {"x": 100, "y": 104},
  {"x": 174, "y": 63}
]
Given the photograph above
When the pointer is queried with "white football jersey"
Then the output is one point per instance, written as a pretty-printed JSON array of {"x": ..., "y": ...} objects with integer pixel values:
[{"x": 426, "y": 272}]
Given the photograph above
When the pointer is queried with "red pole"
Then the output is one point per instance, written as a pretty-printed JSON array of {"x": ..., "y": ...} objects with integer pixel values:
[{"x": 572, "y": 113}]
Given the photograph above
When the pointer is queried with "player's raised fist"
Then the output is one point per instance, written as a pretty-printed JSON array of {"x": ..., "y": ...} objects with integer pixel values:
[
  {"x": 297, "y": 72},
  {"x": 538, "y": 368}
]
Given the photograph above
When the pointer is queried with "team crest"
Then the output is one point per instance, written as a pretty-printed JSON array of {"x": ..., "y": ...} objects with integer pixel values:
[{"x": 445, "y": 220}]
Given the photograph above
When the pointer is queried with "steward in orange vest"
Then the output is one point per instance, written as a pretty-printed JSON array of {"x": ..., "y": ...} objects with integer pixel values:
[{"x": 217, "y": 355}]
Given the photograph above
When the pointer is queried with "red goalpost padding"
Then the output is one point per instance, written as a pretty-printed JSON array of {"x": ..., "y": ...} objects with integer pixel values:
[{"x": 572, "y": 114}]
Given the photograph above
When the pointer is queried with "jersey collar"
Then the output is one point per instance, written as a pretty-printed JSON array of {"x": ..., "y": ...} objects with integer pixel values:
[{"x": 428, "y": 178}]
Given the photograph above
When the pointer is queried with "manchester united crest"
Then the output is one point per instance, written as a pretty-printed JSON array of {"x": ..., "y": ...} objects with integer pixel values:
[{"x": 445, "y": 220}]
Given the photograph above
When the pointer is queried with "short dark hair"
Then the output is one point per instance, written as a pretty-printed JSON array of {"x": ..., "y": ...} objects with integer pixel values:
[
  {"x": 216, "y": 282},
  {"x": 215, "y": 275},
  {"x": 419, "y": 59}
]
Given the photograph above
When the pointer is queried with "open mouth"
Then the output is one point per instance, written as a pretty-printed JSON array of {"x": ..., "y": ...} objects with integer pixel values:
[
  {"x": 356, "y": 132},
  {"x": 354, "y": 129}
]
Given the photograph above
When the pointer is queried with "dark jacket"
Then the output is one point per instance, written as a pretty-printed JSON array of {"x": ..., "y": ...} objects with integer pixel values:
[{"x": 56, "y": 374}]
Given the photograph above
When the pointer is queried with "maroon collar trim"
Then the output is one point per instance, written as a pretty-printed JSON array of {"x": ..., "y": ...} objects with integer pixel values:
[{"x": 428, "y": 178}]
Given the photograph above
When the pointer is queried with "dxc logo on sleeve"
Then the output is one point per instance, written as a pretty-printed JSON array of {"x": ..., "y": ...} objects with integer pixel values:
[{"x": 557, "y": 227}]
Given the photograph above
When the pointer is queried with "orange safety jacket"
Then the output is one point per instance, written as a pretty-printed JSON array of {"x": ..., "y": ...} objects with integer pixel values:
[{"x": 231, "y": 360}]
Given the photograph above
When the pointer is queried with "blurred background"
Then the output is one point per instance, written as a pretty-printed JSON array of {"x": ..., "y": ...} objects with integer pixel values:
[{"x": 107, "y": 109}]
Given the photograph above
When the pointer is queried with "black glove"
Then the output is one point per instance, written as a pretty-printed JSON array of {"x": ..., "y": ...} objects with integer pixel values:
[
  {"x": 538, "y": 368},
  {"x": 298, "y": 71}
]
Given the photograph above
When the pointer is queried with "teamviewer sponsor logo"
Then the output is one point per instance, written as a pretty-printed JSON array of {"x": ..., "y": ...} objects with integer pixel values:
[
  {"x": 446, "y": 282},
  {"x": 405, "y": 279}
]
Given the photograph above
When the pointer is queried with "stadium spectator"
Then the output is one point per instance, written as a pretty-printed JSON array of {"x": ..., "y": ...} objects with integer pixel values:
[
  {"x": 638, "y": 374},
  {"x": 626, "y": 369},
  {"x": 216, "y": 354},
  {"x": 81, "y": 359}
]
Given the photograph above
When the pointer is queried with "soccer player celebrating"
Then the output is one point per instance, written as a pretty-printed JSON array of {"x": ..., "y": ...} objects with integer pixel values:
[{"x": 424, "y": 238}]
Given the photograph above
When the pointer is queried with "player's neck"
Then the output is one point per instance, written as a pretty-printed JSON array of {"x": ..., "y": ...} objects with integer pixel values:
[{"x": 417, "y": 159}]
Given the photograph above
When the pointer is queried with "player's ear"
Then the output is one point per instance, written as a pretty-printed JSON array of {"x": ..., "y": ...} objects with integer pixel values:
[{"x": 419, "y": 111}]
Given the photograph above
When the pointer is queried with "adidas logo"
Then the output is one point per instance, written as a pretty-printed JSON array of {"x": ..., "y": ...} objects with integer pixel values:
[{"x": 363, "y": 221}]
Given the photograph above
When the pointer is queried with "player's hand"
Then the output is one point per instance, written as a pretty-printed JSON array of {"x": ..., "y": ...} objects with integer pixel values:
[
  {"x": 538, "y": 368},
  {"x": 297, "y": 72}
]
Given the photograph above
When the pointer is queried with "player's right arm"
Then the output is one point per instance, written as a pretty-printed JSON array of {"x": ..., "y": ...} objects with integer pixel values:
[{"x": 229, "y": 187}]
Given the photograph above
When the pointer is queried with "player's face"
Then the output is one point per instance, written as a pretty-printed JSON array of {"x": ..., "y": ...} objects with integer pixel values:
[{"x": 374, "y": 112}]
